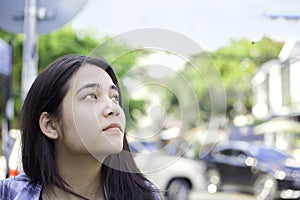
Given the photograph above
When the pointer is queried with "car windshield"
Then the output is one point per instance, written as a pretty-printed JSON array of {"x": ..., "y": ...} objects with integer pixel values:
[{"x": 271, "y": 154}]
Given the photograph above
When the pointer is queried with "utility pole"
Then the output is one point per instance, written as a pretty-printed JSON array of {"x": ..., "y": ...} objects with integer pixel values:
[{"x": 30, "y": 51}]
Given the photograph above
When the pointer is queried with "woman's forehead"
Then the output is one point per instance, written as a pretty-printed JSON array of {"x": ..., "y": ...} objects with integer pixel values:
[{"x": 90, "y": 74}]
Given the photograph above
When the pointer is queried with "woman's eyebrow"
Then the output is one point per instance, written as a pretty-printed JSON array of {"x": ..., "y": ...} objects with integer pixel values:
[
  {"x": 114, "y": 87},
  {"x": 89, "y": 85}
]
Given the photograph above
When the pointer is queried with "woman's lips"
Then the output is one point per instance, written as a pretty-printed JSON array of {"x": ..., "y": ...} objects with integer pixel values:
[{"x": 113, "y": 127}]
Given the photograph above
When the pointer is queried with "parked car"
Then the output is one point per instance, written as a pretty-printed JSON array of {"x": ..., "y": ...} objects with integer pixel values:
[
  {"x": 3, "y": 167},
  {"x": 14, "y": 159},
  {"x": 176, "y": 176},
  {"x": 267, "y": 172}
]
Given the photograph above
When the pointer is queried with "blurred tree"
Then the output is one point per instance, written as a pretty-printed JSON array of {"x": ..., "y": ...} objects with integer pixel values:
[
  {"x": 236, "y": 65},
  {"x": 16, "y": 42},
  {"x": 66, "y": 41}
]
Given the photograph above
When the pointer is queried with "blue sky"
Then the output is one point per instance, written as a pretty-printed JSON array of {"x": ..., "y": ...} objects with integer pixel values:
[{"x": 210, "y": 23}]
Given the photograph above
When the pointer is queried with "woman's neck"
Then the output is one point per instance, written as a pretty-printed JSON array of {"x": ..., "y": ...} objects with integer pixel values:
[
  {"x": 82, "y": 173},
  {"x": 58, "y": 193}
]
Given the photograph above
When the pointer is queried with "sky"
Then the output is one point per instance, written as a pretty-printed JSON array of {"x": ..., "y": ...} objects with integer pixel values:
[{"x": 209, "y": 23}]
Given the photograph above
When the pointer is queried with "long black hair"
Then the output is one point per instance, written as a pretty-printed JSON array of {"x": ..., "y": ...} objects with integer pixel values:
[{"x": 123, "y": 181}]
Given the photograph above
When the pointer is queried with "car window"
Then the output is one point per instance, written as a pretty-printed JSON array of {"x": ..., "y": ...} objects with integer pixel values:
[
  {"x": 227, "y": 152},
  {"x": 239, "y": 155},
  {"x": 222, "y": 153}
]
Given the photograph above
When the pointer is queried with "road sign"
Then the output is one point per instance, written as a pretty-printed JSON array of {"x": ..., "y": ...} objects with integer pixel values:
[
  {"x": 50, "y": 15},
  {"x": 34, "y": 17}
]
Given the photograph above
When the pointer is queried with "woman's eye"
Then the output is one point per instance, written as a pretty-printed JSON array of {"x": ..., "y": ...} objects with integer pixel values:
[
  {"x": 115, "y": 98},
  {"x": 91, "y": 96}
]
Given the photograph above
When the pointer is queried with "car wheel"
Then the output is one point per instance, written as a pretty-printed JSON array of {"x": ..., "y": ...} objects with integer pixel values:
[
  {"x": 265, "y": 187},
  {"x": 178, "y": 190},
  {"x": 213, "y": 179}
]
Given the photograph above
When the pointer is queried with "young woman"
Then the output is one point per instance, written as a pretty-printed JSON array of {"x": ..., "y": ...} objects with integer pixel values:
[{"x": 73, "y": 137}]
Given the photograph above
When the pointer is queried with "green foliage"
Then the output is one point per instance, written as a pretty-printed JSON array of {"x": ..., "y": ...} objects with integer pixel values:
[
  {"x": 61, "y": 42},
  {"x": 17, "y": 44},
  {"x": 136, "y": 110},
  {"x": 236, "y": 64}
]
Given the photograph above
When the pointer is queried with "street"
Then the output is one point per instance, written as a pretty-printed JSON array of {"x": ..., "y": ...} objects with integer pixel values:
[{"x": 220, "y": 196}]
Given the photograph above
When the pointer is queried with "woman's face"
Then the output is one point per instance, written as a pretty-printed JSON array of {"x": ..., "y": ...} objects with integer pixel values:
[{"x": 92, "y": 120}]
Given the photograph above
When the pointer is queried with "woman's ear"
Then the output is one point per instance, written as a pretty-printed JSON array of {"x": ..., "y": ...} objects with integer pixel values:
[{"x": 47, "y": 126}]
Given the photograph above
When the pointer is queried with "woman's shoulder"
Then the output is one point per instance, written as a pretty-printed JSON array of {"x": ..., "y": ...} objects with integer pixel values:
[
  {"x": 19, "y": 187},
  {"x": 15, "y": 181}
]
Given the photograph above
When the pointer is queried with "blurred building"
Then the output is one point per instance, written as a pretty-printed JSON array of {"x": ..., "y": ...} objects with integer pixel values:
[
  {"x": 276, "y": 84},
  {"x": 276, "y": 89}
]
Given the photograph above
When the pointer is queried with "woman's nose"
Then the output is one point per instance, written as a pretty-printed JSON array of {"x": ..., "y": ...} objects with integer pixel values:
[{"x": 111, "y": 109}]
